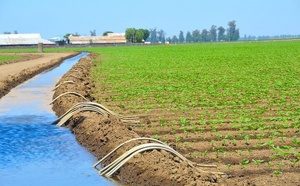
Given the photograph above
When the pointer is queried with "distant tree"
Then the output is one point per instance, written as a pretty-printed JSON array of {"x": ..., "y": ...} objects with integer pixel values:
[
  {"x": 146, "y": 34},
  {"x": 106, "y": 33},
  {"x": 169, "y": 39},
  {"x": 139, "y": 36},
  {"x": 236, "y": 35},
  {"x": 93, "y": 32},
  {"x": 76, "y": 34},
  {"x": 181, "y": 37},
  {"x": 221, "y": 34},
  {"x": 204, "y": 35},
  {"x": 6, "y": 33},
  {"x": 161, "y": 36},
  {"x": 174, "y": 39},
  {"x": 233, "y": 34},
  {"x": 188, "y": 37},
  {"x": 130, "y": 34},
  {"x": 67, "y": 35},
  {"x": 213, "y": 33},
  {"x": 15, "y": 32},
  {"x": 153, "y": 36},
  {"x": 196, "y": 36}
]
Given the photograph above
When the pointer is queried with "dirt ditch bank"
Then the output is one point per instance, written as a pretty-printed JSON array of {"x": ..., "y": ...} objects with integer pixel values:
[
  {"x": 17, "y": 72},
  {"x": 102, "y": 133}
]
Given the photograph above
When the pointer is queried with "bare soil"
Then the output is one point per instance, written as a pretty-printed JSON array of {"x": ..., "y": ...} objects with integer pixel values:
[{"x": 15, "y": 72}]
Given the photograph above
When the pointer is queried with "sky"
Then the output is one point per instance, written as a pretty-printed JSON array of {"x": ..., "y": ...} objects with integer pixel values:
[{"x": 52, "y": 18}]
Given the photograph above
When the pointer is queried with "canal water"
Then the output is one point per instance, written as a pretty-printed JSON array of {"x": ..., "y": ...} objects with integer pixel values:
[{"x": 32, "y": 151}]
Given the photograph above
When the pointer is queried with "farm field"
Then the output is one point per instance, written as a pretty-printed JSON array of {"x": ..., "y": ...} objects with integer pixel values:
[
  {"x": 7, "y": 58},
  {"x": 235, "y": 105}
]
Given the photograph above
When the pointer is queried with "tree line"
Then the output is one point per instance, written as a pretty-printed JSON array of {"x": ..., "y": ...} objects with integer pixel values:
[{"x": 159, "y": 36}]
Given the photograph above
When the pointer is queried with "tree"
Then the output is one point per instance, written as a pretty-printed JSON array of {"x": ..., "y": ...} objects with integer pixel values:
[
  {"x": 153, "y": 36},
  {"x": 169, "y": 39},
  {"x": 146, "y": 34},
  {"x": 196, "y": 36},
  {"x": 67, "y": 35},
  {"x": 129, "y": 34},
  {"x": 139, "y": 36},
  {"x": 188, "y": 37},
  {"x": 106, "y": 33},
  {"x": 204, "y": 35},
  {"x": 213, "y": 33},
  {"x": 181, "y": 37},
  {"x": 93, "y": 32},
  {"x": 161, "y": 36},
  {"x": 221, "y": 34},
  {"x": 174, "y": 39},
  {"x": 15, "y": 32},
  {"x": 236, "y": 35},
  {"x": 6, "y": 33},
  {"x": 233, "y": 34},
  {"x": 76, "y": 34}
]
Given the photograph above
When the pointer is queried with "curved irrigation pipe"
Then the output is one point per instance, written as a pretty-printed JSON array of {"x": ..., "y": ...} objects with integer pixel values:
[
  {"x": 72, "y": 75},
  {"x": 91, "y": 106},
  {"x": 74, "y": 93},
  {"x": 74, "y": 70},
  {"x": 65, "y": 82},
  {"x": 133, "y": 139},
  {"x": 116, "y": 164},
  {"x": 80, "y": 66}
]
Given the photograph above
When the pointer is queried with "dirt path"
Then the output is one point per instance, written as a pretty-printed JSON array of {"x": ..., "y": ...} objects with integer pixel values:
[{"x": 16, "y": 72}]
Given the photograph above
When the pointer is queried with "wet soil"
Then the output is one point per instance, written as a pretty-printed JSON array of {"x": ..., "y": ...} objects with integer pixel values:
[
  {"x": 15, "y": 72},
  {"x": 102, "y": 133}
]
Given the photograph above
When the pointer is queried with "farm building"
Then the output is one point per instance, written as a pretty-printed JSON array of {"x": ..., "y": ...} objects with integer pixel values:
[
  {"x": 22, "y": 39},
  {"x": 111, "y": 38}
]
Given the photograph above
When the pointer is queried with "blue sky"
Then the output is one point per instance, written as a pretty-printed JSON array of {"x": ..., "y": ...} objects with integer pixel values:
[{"x": 57, "y": 17}]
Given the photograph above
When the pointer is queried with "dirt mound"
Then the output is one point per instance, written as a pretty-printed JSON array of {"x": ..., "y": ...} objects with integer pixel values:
[
  {"x": 26, "y": 72},
  {"x": 102, "y": 133}
]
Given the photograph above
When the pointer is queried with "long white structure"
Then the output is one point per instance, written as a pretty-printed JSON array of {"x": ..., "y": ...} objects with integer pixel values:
[{"x": 22, "y": 39}]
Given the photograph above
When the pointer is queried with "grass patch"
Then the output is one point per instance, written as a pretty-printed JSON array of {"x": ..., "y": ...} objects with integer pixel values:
[{"x": 6, "y": 58}]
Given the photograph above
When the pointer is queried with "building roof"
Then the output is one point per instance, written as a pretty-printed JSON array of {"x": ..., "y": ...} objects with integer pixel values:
[
  {"x": 110, "y": 38},
  {"x": 22, "y": 39}
]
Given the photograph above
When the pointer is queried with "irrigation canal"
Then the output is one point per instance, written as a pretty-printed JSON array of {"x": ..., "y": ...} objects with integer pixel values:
[{"x": 32, "y": 151}]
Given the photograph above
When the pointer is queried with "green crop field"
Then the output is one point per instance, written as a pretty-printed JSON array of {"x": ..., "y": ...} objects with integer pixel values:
[
  {"x": 236, "y": 105},
  {"x": 5, "y": 58},
  {"x": 213, "y": 101}
]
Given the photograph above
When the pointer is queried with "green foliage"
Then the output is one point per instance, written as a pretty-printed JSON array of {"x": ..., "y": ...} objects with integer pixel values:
[
  {"x": 188, "y": 37},
  {"x": 106, "y": 33},
  {"x": 133, "y": 35},
  {"x": 181, "y": 37},
  {"x": 221, "y": 33},
  {"x": 129, "y": 34},
  {"x": 253, "y": 85},
  {"x": 6, "y": 58},
  {"x": 233, "y": 34}
]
